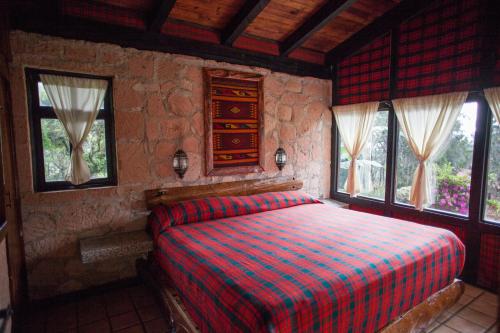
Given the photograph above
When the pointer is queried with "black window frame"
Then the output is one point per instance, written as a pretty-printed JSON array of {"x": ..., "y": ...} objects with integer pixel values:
[
  {"x": 37, "y": 113},
  {"x": 342, "y": 196},
  {"x": 389, "y": 205}
]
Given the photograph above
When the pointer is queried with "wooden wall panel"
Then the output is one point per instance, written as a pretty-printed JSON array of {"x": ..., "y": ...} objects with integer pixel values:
[
  {"x": 212, "y": 14},
  {"x": 360, "y": 14},
  {"x": 178, "y": 29},
  {"x": 104, "y": 13},
  {"x": 139, "y": 5},
  {"x": 280, "y": 18}
]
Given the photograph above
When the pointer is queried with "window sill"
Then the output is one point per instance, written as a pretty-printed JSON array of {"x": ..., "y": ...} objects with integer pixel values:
[
  {"x": 77, "y": 189},
  {"x": 335, "y": 203},
  {"x": 391, "y": 208},
  {"x": 66, "y": 186}
]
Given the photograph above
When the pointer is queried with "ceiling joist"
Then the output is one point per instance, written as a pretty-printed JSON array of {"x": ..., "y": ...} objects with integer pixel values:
[
  {"x": 84, "y": 29},
  {"x": 380, "y": 26},
  {"x": 242, "y": 20},
  {"x": 317, "y": 21},
  {"x": 160, "y": 15}
]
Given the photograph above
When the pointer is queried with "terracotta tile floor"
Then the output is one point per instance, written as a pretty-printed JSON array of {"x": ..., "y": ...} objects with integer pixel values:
[
  {"x": 134, "y": 310},
  {"x": 125, "y": 310},
  {"x": 475, "y": 312}
]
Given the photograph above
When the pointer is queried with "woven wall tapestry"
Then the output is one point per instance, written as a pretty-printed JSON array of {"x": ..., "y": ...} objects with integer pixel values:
[{"x": 233, "y": 122}]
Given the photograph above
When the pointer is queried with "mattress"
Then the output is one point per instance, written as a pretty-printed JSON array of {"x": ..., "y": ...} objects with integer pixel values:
[{"x": 304, "y": 268}]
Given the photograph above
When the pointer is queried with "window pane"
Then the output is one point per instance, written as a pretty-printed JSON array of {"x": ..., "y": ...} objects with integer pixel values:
[
  {"x": 44, "y": 99},
  {"x": 452, "y": 168},
  {"x": 492, "y": 207},
  {"x": 42, "y": 96},
  {"x": 56, "y": 150},
  {"x": 94, "y": 150},
  {"x": 371, "y": 163}
]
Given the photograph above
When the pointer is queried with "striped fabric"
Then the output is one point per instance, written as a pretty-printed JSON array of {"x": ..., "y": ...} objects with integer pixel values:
[
  {"x": 308, "y": 268},
  {"x": 164, "y": 216}
]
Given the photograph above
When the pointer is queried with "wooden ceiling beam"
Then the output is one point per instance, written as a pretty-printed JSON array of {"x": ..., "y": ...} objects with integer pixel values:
[
  {"x": 380, "y": 26},
  {"x": 84, "y": 29},
  {"x": 160, "y": 15},
  {"x": 317, "y": 21},
  {"x": 242, "y": 20}
]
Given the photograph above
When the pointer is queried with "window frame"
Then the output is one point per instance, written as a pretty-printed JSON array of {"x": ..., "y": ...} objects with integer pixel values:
[
  {"x": 37, "y": 113},
  {"x": 488, "y": 123},
  {"x": 336, "y": 150},
  {"x": 474, "y": 222}
]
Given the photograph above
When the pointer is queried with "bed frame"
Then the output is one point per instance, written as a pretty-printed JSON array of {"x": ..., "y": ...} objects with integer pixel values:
[{"x": 414, "y": 320}]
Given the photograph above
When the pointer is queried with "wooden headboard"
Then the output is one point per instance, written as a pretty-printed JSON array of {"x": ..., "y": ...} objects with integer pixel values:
[{"x": 243, "y": 187}]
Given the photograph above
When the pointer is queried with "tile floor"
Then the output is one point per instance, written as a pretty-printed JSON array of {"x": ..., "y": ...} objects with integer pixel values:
[
  {"x": 475, "y": 312},
  {"x": 125, "y": 310},
  {"x": 133, "y": 310}
]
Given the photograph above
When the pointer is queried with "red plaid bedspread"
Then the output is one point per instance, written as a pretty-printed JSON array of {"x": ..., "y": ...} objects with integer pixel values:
[{"x": 308, "y": 268}]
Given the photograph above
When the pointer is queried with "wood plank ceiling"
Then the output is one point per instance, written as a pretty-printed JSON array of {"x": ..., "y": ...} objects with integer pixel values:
[{"x": 297, "y": 35}]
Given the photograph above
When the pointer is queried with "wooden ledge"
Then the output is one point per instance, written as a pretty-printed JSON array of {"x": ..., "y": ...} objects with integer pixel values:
[
  {"x": 241, "y": 187},
  {"x": 126, "y": 244}
]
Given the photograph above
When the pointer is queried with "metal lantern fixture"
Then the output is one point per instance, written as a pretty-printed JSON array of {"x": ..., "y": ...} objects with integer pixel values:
[
  {"x": 280, "y": 157},
  {"x": 180, "y": 162}
]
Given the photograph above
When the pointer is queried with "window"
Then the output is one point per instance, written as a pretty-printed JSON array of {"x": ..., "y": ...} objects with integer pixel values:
[
  {"x": 451, "y": 169},
  {"x": 456, "y": 195},
  {"x": 492, "y": 200},
  {"x": 51, "y": 146},
  {"x": 371, "y": 162}
]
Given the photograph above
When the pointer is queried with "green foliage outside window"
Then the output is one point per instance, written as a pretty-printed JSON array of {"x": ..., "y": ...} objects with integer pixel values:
[{"x": 56, "y": 150}]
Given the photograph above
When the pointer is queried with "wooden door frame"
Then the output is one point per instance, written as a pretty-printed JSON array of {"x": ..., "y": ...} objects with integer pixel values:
[
  {"x": 15, "y": 244},
  {"x": 14, "y": 240}
]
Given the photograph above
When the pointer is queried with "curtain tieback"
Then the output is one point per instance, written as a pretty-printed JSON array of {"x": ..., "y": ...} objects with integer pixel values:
[
  {"x": 421, "y": 162},
  {"x": 78, "y": 146},
  {"x": 354, "y": 157}
]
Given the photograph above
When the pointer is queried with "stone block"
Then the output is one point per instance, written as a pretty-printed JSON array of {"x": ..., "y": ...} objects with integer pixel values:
[
  {"x": 180, "y": 104},
  {"x": 141, "y": 65},
  {"x": 285, "y": 112},
  {"x": 131, "y": 125}
]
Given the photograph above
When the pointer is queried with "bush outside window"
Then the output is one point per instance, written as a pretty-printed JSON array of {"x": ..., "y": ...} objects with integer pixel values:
[
  {"x": 451, "y": 169},
  {"x": 492, "y": 204}
]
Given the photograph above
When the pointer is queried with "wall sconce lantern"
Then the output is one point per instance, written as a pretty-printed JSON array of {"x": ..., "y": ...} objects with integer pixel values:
[
  {"x": 180, "y": 162},
  {"x": 280, "y": 157}
]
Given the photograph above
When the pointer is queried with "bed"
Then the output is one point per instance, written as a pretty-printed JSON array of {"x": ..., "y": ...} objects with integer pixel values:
[{"x": 284, "y": 262}]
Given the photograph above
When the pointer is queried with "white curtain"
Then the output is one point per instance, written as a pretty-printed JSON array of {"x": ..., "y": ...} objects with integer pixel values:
[
  {"x": 354, "y": 123},
  {"x": 427, "y": 123},
  {"x": 76, "y": 102},
  {"x": 493, "y": 98}
]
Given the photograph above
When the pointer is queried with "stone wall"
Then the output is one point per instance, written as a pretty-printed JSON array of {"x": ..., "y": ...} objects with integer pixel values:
[{"x": 158, "y": 105}]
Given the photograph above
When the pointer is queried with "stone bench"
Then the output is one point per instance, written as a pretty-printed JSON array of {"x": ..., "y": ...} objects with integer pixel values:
[
  {"x": 126, "y": 244},
  {"x": 335, "y": 203}
]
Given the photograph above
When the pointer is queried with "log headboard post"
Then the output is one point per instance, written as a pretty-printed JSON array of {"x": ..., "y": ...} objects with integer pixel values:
[{"x": 243, "y": 187}]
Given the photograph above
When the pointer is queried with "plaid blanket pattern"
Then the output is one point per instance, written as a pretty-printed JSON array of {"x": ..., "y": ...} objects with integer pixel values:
[
  {"x": 164, "y": 216},
  {"x": 308, "y": 268}
]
